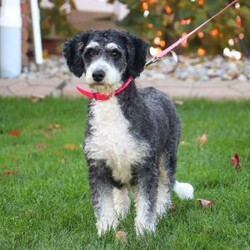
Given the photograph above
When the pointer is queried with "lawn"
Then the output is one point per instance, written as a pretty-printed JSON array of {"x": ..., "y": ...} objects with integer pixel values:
[{"x": 44, "y": 190}]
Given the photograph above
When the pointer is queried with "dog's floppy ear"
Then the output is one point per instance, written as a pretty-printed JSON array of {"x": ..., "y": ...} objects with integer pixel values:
[
  {"x": 72, "y": 51},
  {"x": 137, "y": 53}
]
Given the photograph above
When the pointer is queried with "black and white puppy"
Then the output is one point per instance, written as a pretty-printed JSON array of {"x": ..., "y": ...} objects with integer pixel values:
[{"x": 131, "y": 138}]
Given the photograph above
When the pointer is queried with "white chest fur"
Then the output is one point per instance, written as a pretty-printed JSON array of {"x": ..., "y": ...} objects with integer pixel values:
[{"x": 110, "y": 139}]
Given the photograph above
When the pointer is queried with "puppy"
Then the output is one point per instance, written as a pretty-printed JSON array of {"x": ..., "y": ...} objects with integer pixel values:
[{"x": 131, "y": 138}]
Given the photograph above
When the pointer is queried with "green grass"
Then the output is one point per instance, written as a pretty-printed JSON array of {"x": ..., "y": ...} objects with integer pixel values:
[{"x": 45, "y": 200}]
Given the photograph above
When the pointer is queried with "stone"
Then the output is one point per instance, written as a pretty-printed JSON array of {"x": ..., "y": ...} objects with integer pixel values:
[
  {"x": 234, "y": 73},
  {"x": 246, "y": 70},
  {"x": 242, "y": 78},
  {"x": 187, "y": 68},
  {"x": 226, "y": 77},
  {"x": 33, "y": 67}
]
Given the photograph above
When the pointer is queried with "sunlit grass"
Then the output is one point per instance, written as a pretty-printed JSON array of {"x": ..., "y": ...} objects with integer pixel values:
[{"x": 44, "y": 190}]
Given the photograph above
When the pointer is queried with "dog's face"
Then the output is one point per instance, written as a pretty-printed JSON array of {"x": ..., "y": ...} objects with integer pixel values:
[
  {"x": 105, "y": 63},
  {"x": 106, "y": 58}
]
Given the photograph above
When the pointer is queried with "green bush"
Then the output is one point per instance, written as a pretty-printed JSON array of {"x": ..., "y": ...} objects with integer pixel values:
[
  {"x": 164, "y": 21},
  {"x": 54, "y": 21}
]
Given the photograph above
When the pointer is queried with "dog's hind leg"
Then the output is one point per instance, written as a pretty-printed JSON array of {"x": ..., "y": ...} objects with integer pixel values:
[
  {"x": 146, "y": 181},
  {"x": 163, "y": 191},
  {"x": 184, "y": 191},
  {"x": 101, "y": 185},
  {"x": 121, "y": 202}
]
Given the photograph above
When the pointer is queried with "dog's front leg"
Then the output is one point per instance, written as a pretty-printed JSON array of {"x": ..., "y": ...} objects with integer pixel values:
[
  {"x": 101, "y": 186},
  {"x": 146, "y": 179}
]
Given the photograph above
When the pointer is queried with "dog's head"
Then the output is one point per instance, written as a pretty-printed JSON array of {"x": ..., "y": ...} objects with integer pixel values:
[{"x": 105, "y": 57}]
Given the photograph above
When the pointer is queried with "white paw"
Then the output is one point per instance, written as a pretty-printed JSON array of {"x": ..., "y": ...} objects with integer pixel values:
[
  {"x": 161, "y": 209},
  {"x": 121, "y": 209},
  {"x": 121, "y": 202},
  {"x": 105, "y": 225},
  {"x": 142, "y": 226}
]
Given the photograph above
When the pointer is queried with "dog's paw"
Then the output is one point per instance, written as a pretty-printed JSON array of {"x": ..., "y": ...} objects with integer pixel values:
[
  {"x": 162, "y": 205},
  {"x": 121, "y": 209},
  {"x": 142, "y": 227},
  {"x": 105, "y": 225},
  {"x": 161, "y": 209},
  {"x": 121, "y": 202}
]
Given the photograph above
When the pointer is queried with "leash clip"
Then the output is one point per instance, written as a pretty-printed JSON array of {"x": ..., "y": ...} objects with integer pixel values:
[{"x": 151, "y": 61}]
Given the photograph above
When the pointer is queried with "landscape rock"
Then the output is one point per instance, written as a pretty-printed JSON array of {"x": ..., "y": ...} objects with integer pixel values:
[{"x": 191, "y": 69}]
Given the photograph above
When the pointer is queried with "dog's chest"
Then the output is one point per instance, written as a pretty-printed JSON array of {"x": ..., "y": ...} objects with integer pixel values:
[{"x": 111, "y": 140}]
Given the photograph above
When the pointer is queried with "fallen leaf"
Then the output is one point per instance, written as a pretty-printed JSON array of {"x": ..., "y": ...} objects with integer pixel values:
[
  {"x": 71, "y": 146},
  {"x": 36, "y": 98},
  {"x": 50, "y": 130},
  {"x": 58, "y": 153},
  {"x": 206, "y": 203},
  {"x": 202, "y": 139},
  {"x": 63, "y": 161},
  {"x": 235, "y": 160},
  {"x": 179, "y": 103},
  {"x": 172, "y": 208},
  {"x": 54, "y": 126},
  {"x": 184, "y": 143},
  {"x": 47, "y": 134},
  {"x": 40, "y": 146},
  {"x": 14, "y": 132},
  {"x": 9, "y": 172},
  {"x": 121, "y": 235}
]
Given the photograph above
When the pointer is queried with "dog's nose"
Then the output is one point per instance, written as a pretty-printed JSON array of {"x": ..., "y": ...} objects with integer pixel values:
[{"x": 98, "y": 75}]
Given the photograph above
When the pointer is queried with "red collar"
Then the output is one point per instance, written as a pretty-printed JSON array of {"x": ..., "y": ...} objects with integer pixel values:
[{"x": 103, "y": 97}]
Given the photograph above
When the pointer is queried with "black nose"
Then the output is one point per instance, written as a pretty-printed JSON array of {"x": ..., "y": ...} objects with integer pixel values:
[{"x": 98, "y": 75}]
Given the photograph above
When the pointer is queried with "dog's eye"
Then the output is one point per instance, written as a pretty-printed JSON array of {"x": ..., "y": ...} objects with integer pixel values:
[
  {"x": 115, "y": 53},
  {"x": 90, "y": 53}
]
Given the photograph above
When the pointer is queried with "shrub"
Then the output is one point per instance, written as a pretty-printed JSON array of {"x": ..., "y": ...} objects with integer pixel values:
[{"x": 164, "y": 21}]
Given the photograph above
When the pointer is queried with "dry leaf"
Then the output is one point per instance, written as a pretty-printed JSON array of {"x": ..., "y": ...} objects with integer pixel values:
[
  {"x": 10, "y": 172},
  {"x": 50, "y": 130},
  {"x": 40, "y": 146},
  {"x": 172, "y": 208},
  {"x": 178, "y": 103},
  {"x": 59, "y": 153},
  {"x": 54, "y": 126},
  {"x": 184, "y": 143},
  {"x": 14, "y": 132},
  {"x": 71, "y": 146},
  {"x": 63, "y": 161},
  {"x": 235, "y": 160},
  {"x": 36, "y": 98},
  {"x": 202, "y": 139},
  {"x": 205, "y": 203},
  {"x": 47, "y": 134},
  {"x": 121, "y": 235}
]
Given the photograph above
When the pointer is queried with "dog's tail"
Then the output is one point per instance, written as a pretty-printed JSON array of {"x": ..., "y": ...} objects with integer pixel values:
[{"x": 185, "y": 191}]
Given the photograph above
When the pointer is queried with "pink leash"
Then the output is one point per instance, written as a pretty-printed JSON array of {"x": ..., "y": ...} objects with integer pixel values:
[
  {"x": 181, "y": 40},
  {"x": 163, "y": 53}
]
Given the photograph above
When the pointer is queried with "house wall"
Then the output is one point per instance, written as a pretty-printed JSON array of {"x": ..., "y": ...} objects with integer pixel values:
[{"x": 26, "y": 23}]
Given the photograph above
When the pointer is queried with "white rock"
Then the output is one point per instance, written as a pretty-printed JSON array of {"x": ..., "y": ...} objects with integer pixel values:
[
  {"x": 226, "y": 77},
  {"x": 242, "y": 78}
]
